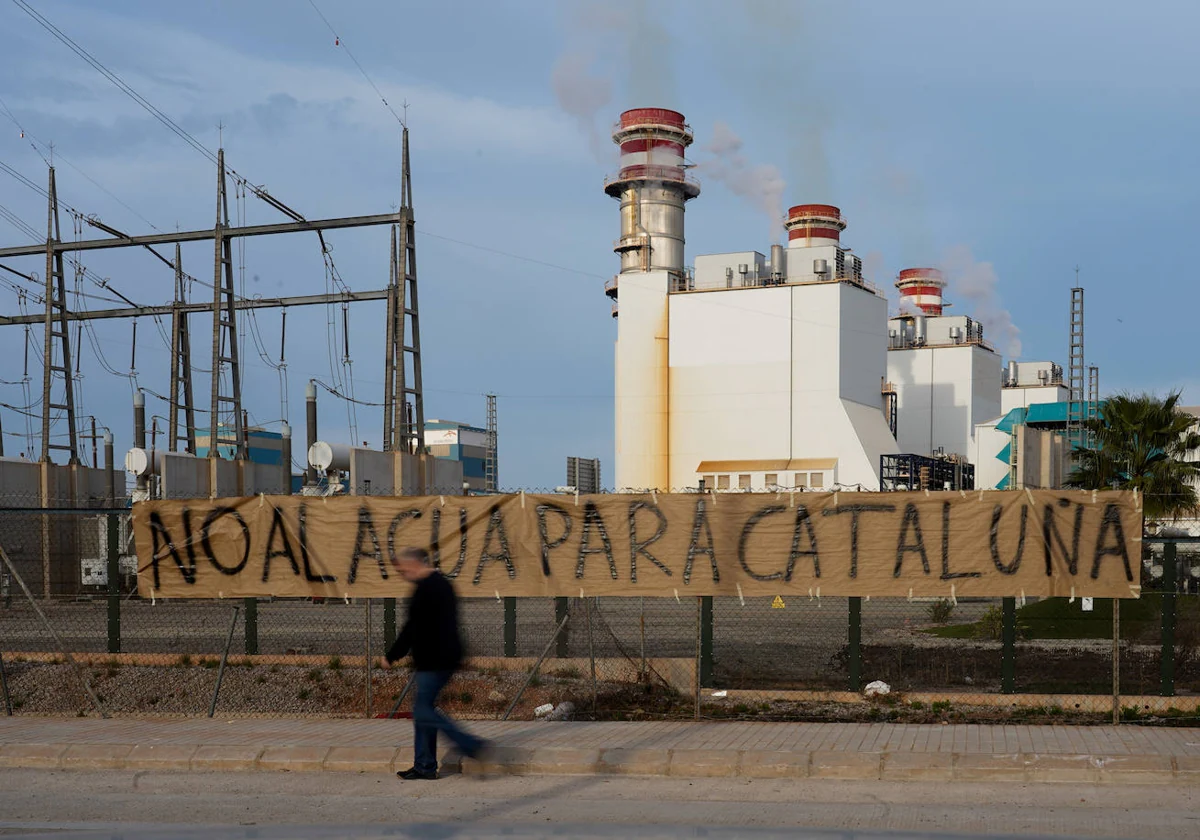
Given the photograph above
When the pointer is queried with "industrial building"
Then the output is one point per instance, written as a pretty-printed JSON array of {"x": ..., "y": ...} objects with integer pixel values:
[
  {"x": 757, "y": 371},
  {"x": 463, "y": 443},
  {"x": 583, "y": 475}
]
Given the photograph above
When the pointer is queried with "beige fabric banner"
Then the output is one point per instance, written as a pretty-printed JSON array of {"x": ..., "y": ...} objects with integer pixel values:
[{"x": 993, "y": 543}]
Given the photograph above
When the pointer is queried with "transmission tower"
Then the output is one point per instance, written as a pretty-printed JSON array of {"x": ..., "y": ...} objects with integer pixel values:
[
  {"x": 225, "y": 337},
  {"x": 56, "y": 333},
  {"x": 1076, "y": 408},
  {"x": 403, "y": 420},
  {"x": 181, "y": 370},
  {"x": 490, "y": 467}
]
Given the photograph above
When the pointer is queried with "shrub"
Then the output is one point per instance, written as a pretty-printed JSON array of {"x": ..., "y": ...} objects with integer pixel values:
[
  {"x": 313, "y": 675},
  {"x": 939, "y": 706},
  {"x": 991, "y": 625},
  {"x": 304, "y": 694},
  {"x": 184, "y": 660},
  {"x": 917, "y": 705},
  {"x": 466, "y": 698},
  {"x": 335, "y": 663},
  {"x": 939, "y": 611},
  {"x": 568, "y": 673}
]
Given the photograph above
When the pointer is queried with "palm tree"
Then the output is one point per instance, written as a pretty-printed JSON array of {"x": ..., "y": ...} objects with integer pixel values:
[{"x": 1144, "y": 443}]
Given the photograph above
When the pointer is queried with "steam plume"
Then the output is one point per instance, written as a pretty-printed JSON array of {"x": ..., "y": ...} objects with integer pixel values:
[
  {"x": 975, "y": 283},
  {"x": 760, "y": 184}
]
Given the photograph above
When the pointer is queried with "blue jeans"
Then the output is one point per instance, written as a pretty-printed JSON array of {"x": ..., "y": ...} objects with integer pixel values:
[{"x": 427, "y": 720}]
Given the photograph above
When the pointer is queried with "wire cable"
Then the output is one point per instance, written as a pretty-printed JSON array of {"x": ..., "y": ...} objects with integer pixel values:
[{"x": 339, "y": 41}]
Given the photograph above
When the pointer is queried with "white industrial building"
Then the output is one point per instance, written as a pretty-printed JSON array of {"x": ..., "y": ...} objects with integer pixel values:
[{"x": 750, "y": 371}]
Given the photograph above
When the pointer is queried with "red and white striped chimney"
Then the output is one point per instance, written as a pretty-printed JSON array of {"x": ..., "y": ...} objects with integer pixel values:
[
  {"x": 922, "y": 287},
  {"x": 814, "y": 224},
  {"x": 652, "y": 186}
]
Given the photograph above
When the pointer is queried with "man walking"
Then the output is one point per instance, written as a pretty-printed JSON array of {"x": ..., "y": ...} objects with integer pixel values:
[{"x": 430, "y": 633}]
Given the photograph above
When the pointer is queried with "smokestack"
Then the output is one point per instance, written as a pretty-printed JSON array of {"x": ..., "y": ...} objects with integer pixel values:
[
  {"x": 922, "y": 287},
  {"x": 814, "y": 224},
  {"x": 652, "y": 187}
]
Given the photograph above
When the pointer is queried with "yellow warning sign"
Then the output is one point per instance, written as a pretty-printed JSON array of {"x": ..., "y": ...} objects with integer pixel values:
[{"x": 778, "y": 604}]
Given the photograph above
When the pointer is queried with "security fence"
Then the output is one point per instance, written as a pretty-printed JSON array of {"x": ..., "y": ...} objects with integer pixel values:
[{"x": 82, "y": 627}]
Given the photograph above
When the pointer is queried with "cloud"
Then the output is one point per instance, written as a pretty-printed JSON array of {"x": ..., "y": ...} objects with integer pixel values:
[
  {"x": 186, "y": 73},
  {"x": 975, "y": 284}
]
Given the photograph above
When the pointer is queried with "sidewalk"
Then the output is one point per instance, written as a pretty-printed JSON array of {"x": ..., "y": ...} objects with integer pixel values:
[{"x": 1126, "y": 754}]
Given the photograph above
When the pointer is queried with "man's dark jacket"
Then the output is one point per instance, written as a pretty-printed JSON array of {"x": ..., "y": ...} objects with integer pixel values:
[{"x": 431, "y": 630}]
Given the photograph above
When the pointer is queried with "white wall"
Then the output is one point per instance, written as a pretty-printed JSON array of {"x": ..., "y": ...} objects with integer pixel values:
[
  {"x": 778, "y": 373},
  {"x": 1011, "y": 398},
  {"x": 942, "y": 394},
  {"x": 642, "y": 381},
  {"x": 729, "y": 372}
]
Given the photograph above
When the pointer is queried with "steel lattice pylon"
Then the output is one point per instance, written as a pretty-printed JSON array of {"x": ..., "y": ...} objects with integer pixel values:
[
  {"x": 403, "y": 420},
  {"x": 1076, "y": 408}
]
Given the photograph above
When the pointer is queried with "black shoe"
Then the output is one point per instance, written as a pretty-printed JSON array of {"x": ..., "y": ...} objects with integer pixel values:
[{"x": 413, "y": 774}]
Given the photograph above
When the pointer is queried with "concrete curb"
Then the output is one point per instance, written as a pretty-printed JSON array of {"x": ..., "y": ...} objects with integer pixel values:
[{"x": 684, "y": 763}]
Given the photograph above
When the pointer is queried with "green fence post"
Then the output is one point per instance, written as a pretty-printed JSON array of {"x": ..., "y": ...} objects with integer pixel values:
[
  {"x": 389, "y": 623},
  {"x": 510, "y": 627},
  {"x": 251, "y": 626},
  {"x": 563, "y": 644},
  {"x": 706, "y": 641},
  {"x": 1171, "y": 582},
  {"x": 114, "y": 585},
  {"x": 856, "y": 644},
  {"x": 1008, "y": 655}
]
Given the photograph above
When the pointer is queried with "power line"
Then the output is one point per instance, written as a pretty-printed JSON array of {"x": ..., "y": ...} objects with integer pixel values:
[
  {"x": 339, "y": 41},
  {"x": 66, "y": 40}
]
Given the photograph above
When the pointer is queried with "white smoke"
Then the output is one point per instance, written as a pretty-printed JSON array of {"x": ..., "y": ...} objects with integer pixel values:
[
  {"x": 603, "y": 42},
  {"x": 975, "y": 284},
  {"x": 760, "y": 184},
  {"x": 583, "y": 95}
]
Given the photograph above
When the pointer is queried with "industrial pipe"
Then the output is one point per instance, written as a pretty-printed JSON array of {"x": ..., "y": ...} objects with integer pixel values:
[
  {"x": 139, "y": 436},
  {"x": 310, "y": 409},
  {"x": 285, "y": 456}
]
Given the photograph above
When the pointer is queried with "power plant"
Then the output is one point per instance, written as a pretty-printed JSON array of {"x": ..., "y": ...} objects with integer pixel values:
[{"x": 754, "y": 371}]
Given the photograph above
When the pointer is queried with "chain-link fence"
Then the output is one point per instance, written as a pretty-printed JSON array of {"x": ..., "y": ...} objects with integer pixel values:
[{"x": 789, "y": 657}]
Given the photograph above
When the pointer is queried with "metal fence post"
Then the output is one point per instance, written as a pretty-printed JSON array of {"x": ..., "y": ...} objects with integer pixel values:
[
  {"x": 1116, "y": 661},
  {"x": 251, "y": 626},
  {"x": 1171, "y": 579},
  {"x": 389, "y": 623},
  {"x": 370, "y": 660},
  {"x": 1008, "y": 641},
  {"x": 114, "y": 585},
  {"x": 706, "y": 641},
  {"x": 562, "y": 645},
  {"x": 510, "y": 627},
  {"x": 855, "y": 645}
]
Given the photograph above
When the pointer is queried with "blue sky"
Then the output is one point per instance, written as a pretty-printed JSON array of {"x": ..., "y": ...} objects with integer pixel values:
[{"x": 1010, "y": 142}]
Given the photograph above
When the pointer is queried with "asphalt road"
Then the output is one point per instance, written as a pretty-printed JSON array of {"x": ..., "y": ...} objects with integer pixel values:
[{"x": 465, "y": 807}]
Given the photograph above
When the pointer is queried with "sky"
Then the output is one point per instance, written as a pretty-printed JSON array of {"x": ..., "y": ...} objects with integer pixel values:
[{"x": 1007, "y": 143}]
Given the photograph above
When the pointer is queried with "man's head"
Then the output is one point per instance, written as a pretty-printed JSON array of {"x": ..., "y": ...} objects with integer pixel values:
[{"x": 412, "y": 563}]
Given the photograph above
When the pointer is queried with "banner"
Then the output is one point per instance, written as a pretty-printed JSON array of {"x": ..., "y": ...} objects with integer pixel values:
[{"x": 991, "y": 543}]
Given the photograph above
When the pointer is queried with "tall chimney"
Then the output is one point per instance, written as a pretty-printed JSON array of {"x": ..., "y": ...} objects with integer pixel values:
[
  {"x": 922, "y": 287},
  {"x": 652, "y": 187}
]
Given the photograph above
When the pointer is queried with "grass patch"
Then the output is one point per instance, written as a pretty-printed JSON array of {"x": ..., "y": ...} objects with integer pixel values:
[
  {"x": 568, "y": 673},
  {"x": 185, "y": 660},
  {"x": 335, "y": 663},
  {"x": 304, "y": 694},
  {"x": 1059, "y": 618},
  {"x": 314, "y": 675}
]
